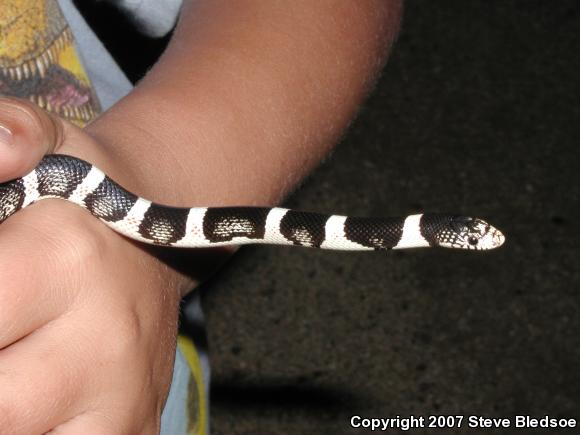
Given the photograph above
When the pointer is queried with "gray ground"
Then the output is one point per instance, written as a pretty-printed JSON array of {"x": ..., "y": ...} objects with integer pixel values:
[{"x": 478, "y": 113}]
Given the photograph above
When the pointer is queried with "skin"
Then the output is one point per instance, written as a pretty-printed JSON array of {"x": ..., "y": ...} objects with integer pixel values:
[{"x": 88, "y": 319}]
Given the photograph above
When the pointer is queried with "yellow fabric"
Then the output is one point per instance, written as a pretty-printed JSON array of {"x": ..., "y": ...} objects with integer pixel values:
[
  {"x": 197, "y": 401},
  {"x": 38, "y": 60}
]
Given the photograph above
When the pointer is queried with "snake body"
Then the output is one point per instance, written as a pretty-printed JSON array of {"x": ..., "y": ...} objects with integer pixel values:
[{"x": 77, "y": 181}]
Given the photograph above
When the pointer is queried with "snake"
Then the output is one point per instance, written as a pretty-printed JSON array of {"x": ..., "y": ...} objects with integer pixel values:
[{"x": 77, "y": 181}]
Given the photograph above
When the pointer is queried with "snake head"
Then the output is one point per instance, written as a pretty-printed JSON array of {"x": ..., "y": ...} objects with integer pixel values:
[{"x": 470, "y": 233}]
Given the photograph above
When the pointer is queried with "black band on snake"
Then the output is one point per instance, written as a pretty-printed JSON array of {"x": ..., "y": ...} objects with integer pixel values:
[{"x": 74, "y": 180}]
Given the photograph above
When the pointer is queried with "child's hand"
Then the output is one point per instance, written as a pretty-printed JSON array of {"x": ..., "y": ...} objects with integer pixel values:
[{"x": 87, "y": 318}]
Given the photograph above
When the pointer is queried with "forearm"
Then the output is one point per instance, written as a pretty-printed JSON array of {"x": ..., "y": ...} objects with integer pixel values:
[{"x": 248, "y": 97}]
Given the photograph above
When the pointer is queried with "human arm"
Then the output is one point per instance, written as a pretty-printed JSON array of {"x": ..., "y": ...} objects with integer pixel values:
[{"x": 248, "y": 98}]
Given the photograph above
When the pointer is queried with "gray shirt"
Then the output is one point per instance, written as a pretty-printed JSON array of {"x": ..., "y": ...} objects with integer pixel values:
[{"x": 153, "y": 17}]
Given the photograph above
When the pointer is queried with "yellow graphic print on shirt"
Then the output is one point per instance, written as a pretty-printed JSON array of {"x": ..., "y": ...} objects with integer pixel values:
[{"x": 38, "y": 60}]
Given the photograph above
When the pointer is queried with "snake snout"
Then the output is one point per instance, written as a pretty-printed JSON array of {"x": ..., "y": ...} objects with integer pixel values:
[
  {"x": 498, "y": 238},
  {"x": 492, "y": 238}
]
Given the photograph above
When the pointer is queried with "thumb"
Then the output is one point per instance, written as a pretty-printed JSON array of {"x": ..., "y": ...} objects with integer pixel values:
[{"x": 27, "y": 133}]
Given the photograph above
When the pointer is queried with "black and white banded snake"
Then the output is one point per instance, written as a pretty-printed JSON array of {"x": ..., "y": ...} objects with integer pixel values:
[{"x": 74, "y": 180}]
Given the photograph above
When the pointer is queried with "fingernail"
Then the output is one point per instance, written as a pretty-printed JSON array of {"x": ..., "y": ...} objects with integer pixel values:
[{"x": 6, "y": 137}]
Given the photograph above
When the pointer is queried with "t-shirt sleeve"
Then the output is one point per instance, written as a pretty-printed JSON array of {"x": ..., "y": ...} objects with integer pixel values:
[{"x": 153, "y": 17}]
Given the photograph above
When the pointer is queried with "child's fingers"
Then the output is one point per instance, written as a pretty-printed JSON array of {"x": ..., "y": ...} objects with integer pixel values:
[{"x": 27, "y": 133}]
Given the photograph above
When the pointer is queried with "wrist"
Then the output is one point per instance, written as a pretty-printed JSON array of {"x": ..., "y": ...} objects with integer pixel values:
[{"x": 179, "y": 269}]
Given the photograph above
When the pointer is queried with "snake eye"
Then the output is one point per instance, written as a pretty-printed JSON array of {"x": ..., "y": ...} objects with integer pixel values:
[{"x": 472, "y": 240}]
